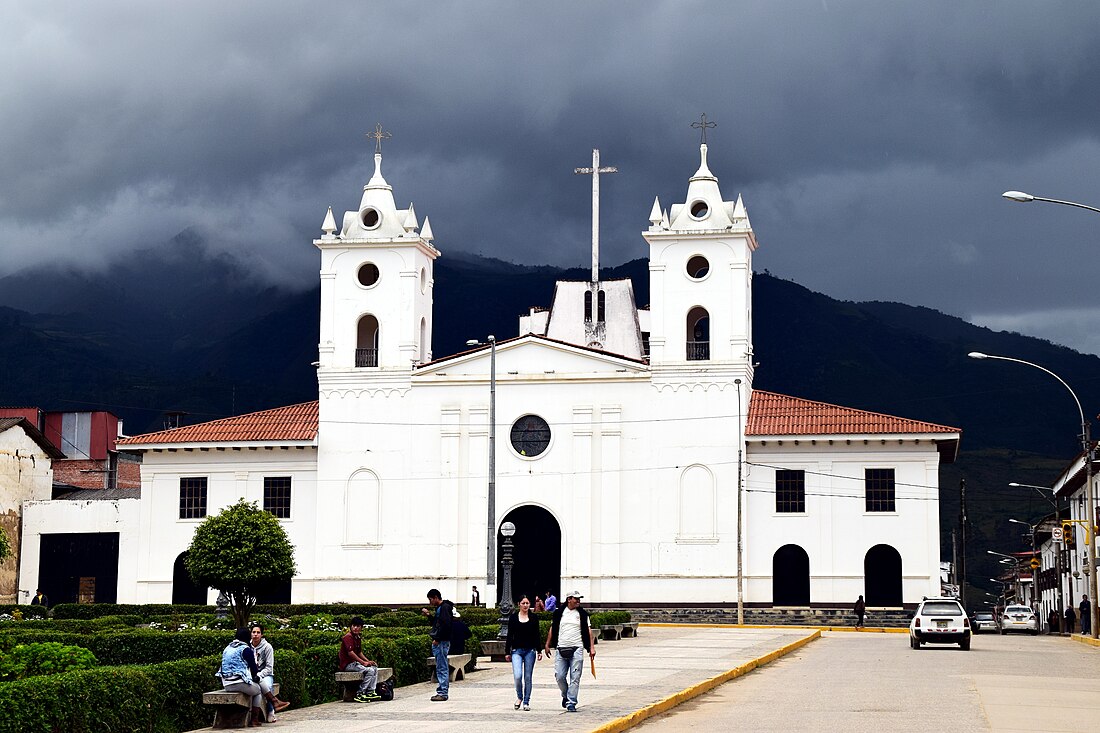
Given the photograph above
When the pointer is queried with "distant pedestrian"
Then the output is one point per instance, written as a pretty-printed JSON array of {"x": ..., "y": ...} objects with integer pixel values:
[
  {"x": 352, "y": 660},
  {"x": 569, "y": 632},
  {"x": 1086, "y": 615},
  {"x": 551, "y": 602},
  {"x": 539, "y": 605},
  {"x": 1070, "y": 618},
  {"x": 475, "y": 597},
  {"x": 1053, "y": 621},
  {"x": 521, "y": 647},
  {"x": 40, "y": 599},
  {"x": 860, "y": 609},
  {"x": 442, "y": 613}
]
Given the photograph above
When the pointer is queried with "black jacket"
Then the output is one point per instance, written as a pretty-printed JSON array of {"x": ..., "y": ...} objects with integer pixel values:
[
  {"x": 523, "y": 636},
  {"x": 441, "y": 625},
  {"x": 585, "y": 634}
]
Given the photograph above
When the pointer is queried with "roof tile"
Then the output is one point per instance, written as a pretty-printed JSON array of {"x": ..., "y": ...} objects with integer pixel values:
[
  {"x": 296, "y": 422},
  {"x": 776, "y": 414}
]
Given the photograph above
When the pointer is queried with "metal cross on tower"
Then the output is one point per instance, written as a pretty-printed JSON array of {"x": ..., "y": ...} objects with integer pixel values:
[
  {"x": 379, "y": 135},
  {"x": 596, "y": 170},
  {"x": 702, "y": 126}
]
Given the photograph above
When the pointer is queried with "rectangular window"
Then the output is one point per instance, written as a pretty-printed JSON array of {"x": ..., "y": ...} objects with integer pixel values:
[
  {"x": 790, "y": 491},
  {"x": 277, "y": 496},
  {"x": 193, "y": 497},
  {"x": 879, "y": 485}
]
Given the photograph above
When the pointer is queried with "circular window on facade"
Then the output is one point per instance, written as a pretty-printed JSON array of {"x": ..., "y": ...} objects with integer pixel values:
[
  {"x": 530, "y": 436},
  {"x": 698, "y": 267},
  {"x": 370, "y": 218},
  {"x": 699, "y": 209},
  {"x": 368, "y": 274}
]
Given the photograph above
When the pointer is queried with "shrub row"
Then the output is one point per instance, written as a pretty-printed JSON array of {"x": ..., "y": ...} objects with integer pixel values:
[
  {"x": 25, "y": 611},
  {"x": 147, "y": 610},
  {"x": 159, "y": 697}
]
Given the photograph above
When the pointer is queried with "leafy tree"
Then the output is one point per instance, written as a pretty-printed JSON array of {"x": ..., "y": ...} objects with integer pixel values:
[
  {"x": 242, "y": 551},
  {"x": 5, "y": 545}
]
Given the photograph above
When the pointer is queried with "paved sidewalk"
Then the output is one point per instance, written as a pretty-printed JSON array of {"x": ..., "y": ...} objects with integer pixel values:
[{"x": 632, "y": 674}]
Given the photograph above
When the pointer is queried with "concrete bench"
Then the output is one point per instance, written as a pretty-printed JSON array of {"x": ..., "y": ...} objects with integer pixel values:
[
  {"x": 630, "y": 630},
  {"x": 611, "y": 632},
  {"x": 456, "y": 664},
  {"x": 350, "y": 681},
  {"x": 231, "y": 709}
]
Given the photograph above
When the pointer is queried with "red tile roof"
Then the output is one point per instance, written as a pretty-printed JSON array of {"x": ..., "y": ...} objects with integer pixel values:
[
  {"x": 296, "y": 422},
  {"x": 776, "y": 414}
]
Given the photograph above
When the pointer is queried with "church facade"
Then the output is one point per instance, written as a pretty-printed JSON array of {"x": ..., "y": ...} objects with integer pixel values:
[{"x": 626, "y": 445}]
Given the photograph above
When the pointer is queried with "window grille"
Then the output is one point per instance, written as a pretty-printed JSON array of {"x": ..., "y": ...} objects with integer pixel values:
[
  {"x": 192, "y": 497},
  {"x": 879, "y": 486},
  {"x": 790, "y": 491},
  {"x": 277, "y": 496}
]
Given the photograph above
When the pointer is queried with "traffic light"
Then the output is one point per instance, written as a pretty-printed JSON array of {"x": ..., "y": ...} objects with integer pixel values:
[{"x": 1068, "y": 534}]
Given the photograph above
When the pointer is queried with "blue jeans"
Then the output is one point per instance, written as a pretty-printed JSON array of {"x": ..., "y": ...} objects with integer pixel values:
[
  {"x": 523, "y": 666},
  {"x": 442, "y": 670},
  {"x": 569, "y": 660}
]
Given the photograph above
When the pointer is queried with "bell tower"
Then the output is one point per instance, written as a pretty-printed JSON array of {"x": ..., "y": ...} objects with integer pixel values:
[
  {"x": 700, "y": 274},
  {"x": 376, "y": 284}
]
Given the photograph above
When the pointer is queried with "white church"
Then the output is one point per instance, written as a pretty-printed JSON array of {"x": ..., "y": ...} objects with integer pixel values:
[{"x": 625, "y": 444}]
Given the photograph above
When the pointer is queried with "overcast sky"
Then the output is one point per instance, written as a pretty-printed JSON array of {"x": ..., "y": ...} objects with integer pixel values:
[{"x": 871, "y": 141}]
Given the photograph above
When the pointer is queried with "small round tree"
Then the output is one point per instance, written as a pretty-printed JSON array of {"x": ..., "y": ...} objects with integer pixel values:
[{"x": 241, "y": 551}]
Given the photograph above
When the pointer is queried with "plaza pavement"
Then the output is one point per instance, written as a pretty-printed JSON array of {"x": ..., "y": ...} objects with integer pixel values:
[{"x": 663, "y": 666}]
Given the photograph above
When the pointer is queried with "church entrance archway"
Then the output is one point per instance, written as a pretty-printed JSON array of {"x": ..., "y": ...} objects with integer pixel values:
[
  {"x": 790, "y": 577},
  {"x": 536, "y": 553},
  {"x": 882, "y": 576},
  {"x": 184, "y": 590}
]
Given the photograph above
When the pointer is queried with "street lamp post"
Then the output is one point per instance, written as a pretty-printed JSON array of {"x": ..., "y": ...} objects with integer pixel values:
[
  {"x": 507, "y": 529},
  {"x": 1086, "y": 445},
  {"x": 1053, "y": 499},
  {"x": 1034, "y": 570},
  {"x": 1015, "y": 563},
  {"x": 491, "y": 501}
]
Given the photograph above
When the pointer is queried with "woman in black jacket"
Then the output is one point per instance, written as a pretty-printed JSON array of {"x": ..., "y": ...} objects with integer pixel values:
[{"x": 521, "y": 648}]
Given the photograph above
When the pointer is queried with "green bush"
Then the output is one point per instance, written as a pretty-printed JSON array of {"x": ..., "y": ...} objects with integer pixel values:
[
  {"x": 30, "y": 660},
  {"x": 408, "y": 619},
  {"x": 28, "y": 612},
  {"x": 96, "y": 610},
  {"x": 601, "y": 618}
]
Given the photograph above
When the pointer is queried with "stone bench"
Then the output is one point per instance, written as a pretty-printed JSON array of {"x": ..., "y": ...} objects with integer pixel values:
[
  {"x": 611, "y": 632},
  {"x": 350, "y": 681},
  {"x": 630, "y": 630},
  {"x": 231, "y": 709},
  {"x": 456, "y": 664}
]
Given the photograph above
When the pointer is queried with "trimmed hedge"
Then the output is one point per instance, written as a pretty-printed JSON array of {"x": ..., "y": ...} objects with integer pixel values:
[
  {"x": 146, "y": 610},
  {"x": 27, "y": 611},
  {"x": 159, "y": 697}
]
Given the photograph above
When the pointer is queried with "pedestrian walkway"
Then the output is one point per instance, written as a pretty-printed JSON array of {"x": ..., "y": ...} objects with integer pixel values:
[{"x": 631, "y": 676}]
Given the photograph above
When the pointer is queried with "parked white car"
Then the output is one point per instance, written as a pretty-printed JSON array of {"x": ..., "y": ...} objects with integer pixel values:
[
  {"x": 940, "y": 621},
  {"x": 1019, "y": 618}
]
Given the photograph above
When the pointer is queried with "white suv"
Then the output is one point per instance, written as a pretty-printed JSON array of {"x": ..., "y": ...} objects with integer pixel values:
[{"x": 940, "y": 621}]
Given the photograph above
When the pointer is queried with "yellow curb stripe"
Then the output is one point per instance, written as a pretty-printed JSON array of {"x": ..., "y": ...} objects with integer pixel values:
[
  {"x": 1085, "y": 639},
  {"x": 627, "y": 722}
]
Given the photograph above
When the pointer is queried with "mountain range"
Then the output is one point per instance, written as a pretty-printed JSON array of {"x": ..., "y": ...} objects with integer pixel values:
[{"x": 179, "y": 329}]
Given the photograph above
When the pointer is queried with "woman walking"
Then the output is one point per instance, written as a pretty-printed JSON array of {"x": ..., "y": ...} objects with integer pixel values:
[{"x": 521, "y": 648}]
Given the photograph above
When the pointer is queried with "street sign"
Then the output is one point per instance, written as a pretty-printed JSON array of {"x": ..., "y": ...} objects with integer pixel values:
[
  {"x": 1056, "y": 534},
  {"x": 1034, "y": 564}
]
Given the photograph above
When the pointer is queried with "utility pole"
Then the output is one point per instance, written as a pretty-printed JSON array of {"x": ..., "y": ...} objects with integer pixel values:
[
  {"x": 954, "y": 558},
  {"x": 962, "y": 534}
]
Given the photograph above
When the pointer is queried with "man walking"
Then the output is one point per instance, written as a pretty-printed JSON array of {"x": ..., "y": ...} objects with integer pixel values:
[
  {"x": 860, "y": 609},
  {"x": 442, "y": 613},
  {"x": 1086, "y": 615},
  {"x": 569, "y": 632},
  {"x": 352, "y": 660}
]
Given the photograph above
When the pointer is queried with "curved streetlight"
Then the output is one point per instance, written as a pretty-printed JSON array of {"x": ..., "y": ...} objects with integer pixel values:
[
  {"x": 1086, "y": 452},
  {"x": 1026, "y": 198}
]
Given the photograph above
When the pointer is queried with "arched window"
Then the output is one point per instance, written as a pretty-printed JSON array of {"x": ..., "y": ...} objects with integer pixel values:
[
  {"x": 697, "y": 509},
  {"x": 790, "y": 577},
  {"x": 601, "y": 312},
  {"x": 362, "y": 509},
  {"x": 698, "y": 334},
  {"x": 425, "y": 352},
  {"x": 366, "y": 343},
  {"x": 882, "y": 576},
  {"x": 587, "y": 305}
]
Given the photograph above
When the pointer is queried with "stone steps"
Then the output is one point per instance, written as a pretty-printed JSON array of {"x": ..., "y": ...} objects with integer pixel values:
[{"x": 773, "y": 616}]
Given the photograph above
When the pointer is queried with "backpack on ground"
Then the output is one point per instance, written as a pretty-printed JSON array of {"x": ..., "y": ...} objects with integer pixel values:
[{"x": 385, "y": 690}]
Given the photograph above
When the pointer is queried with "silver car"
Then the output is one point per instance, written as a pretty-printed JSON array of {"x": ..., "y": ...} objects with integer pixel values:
[
  {"x": 985, "y": 621},
  {"x": 1019, "y": 618}
]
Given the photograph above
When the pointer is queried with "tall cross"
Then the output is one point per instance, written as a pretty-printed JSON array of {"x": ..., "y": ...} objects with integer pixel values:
[
  {"x": 596, "y": 170},
  {"x": 702, "y": 125},
  {"x": 379, "y": 135}
]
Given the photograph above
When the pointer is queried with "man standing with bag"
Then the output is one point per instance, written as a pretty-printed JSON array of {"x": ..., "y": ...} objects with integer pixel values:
[
  {"x": 442, "y": 613},
  {"x": 569, "y": 633}
]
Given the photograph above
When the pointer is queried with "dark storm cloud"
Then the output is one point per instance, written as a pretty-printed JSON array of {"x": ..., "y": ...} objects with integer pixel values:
[{"x": 871, "y": 141}]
